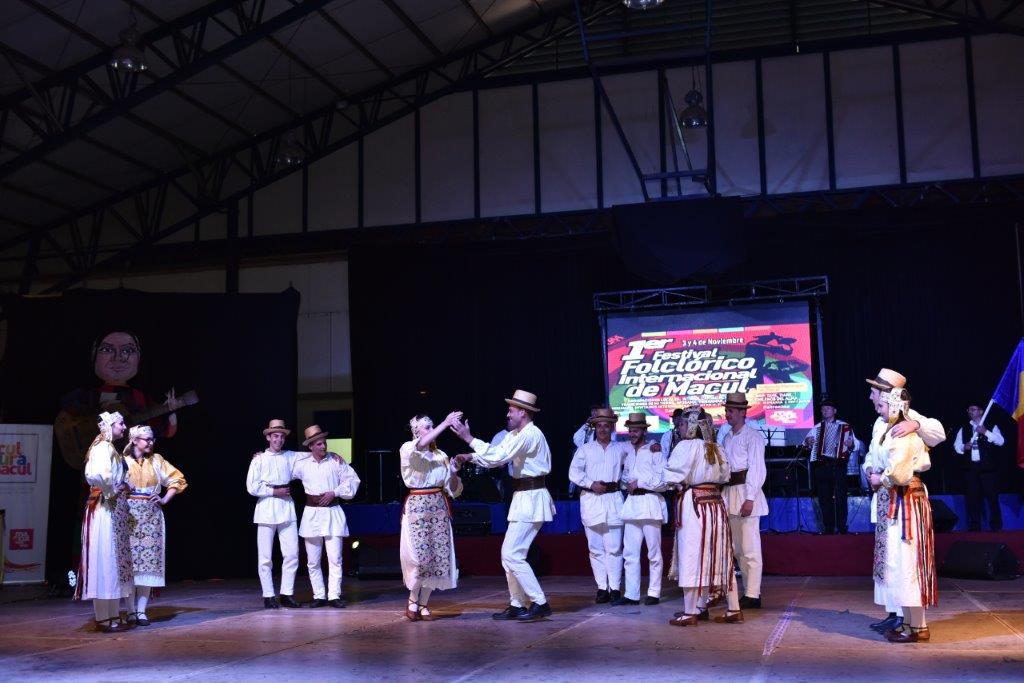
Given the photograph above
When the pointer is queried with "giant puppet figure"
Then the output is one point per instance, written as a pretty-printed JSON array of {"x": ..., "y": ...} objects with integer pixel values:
[{"x": 115, "y": 358}]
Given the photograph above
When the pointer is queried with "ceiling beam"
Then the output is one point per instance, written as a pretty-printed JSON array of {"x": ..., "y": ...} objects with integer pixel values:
[
  {"x": 434, "y": 80},
  {"x": 978, "y": 20},
  {"x": 124, "y": 106},
  {"x": 477, "y": 18},
  {"x": 413, "y": 28}
]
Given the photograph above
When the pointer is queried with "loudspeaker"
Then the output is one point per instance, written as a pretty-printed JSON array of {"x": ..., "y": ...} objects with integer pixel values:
[
  {"x": 670, "y": 240},
  {"x": 379, "y": 562},
  {"x": 784, "y": 480},
  {"x": 471, "y": 520},
  {"x": 943, "y": 519},
  {"x": 973, "y": 560}
]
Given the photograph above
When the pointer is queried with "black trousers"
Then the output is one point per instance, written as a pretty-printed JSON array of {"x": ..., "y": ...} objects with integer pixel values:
[
  {"x": 982, "y": 485},
  {"x": 830, "y": 487}
]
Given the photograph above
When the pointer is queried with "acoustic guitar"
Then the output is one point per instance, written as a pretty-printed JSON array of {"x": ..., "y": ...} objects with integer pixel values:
[{"x": 75, "y": 433}]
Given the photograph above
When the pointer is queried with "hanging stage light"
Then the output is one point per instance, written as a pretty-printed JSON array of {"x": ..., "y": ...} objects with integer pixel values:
[
  {"x": 693, "y": 115},
  {"x": 641, "y": 4},
  {"x": 290, "y": 152},
  {"x": 128, "y": 56}
]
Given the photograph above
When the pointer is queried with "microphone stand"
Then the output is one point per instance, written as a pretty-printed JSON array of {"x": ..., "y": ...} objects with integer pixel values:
[{"x": 799, "y": 502}]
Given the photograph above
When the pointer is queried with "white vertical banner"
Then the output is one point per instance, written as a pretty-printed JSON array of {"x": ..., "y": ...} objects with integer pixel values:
[{"x": 25, "y": 453}]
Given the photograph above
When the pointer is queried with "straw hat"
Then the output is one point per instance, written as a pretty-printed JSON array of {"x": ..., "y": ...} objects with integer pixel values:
[
  {"x": 525, "y": 400},
  {"x": 637, "y": 420},
  {"x": 737, "y": 400},
  {"x": 604, "y": 415},
  {"x": 276, "y": 427},
  {"x": 313, "y": 433},
  {"x": 887, "y": 380}
]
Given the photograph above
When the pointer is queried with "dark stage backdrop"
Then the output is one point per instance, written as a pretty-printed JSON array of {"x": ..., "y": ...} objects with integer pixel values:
[
  {"x": 932, "y": 294},
  {"x": 238, "y": 352}
]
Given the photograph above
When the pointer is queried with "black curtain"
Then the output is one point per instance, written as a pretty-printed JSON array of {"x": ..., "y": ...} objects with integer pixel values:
[
  {"x": 436, "y": 329},
  {"x": 933, "y": 294},
  {"x": 238, "y": 352}
]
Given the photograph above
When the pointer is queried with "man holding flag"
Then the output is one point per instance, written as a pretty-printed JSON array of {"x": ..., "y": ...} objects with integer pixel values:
[{"x": 1010, "y": 396}]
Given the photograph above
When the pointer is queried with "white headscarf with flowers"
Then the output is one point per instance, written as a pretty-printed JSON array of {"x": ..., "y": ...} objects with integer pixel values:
[{"x": 106, "y": 423}]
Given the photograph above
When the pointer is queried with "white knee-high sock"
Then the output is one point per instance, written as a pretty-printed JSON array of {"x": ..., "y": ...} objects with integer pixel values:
[
  {"x": 915, "y": 616},
  {"x": 142, "y": 598},
  {"x": 425, "y": 596},
  {"x": 690, "y": 600}
]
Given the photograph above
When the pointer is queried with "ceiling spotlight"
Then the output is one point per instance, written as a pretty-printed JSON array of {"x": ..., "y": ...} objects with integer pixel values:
[
  {"x": 641, "y": 4},
  {"x": 290, "y": 153},
  {"x": 694, "y": 115},
  {"x": 128, "y": 56}
]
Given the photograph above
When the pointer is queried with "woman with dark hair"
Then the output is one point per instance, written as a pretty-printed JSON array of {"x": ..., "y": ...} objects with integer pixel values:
[
  {"x": 427, "y": 546},
  {"x": 904, "y": 563}
]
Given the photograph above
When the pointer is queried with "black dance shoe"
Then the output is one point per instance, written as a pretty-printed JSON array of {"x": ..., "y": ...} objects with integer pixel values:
[
  {"x": 535, "y": 613},
  {"x": 619, "y": 601},
  {"x": 511, "y": 613},
  {"x": 602, "y": 597},
  {"x": 288, "y": 601},
  {"x": 747, "y": 602},
  {"x": 270, "y": 603}
]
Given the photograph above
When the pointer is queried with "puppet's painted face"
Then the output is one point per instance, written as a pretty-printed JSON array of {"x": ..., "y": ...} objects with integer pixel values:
[{"x": 117, "y": 358}]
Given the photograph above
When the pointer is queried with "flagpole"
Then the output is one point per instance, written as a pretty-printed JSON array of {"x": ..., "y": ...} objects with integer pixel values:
[{"x": 987, "y": 408}]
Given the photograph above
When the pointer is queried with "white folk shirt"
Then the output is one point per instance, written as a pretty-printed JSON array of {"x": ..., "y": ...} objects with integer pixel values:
[
  {"x": 585, "y": 434},
  {"x": 906, "y": 455},
  {"x": 876, "y": 461},
  {"x": 427, "y": 469},
  {"x": 647, "y": 469},
  {"x": 688, "y": 465},
  {"x": 267, "y": 470},
  {"x": 745, "y": 451},
  {"x": 994, "y": 437},
  {"x": 527, "y": 453},
  {"x": 931, "y": 432},
  {"x": 593, "y": 462},
  {"x": 666, "y": 442},
  {"x": 330, "y": 474}
]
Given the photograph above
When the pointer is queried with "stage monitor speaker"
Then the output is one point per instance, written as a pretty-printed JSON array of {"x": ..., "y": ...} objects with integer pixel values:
[
  {"x": 943, "y": 519},
  {"x": 379, "y": 562},
  {"x": 669, "y": 240},
  {"x": 784, "y": 479},
  {"x": 978, "y": 560},
  {"x": 471, "y": 520}
]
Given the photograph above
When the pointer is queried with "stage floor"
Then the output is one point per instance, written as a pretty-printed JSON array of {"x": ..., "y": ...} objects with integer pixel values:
[{"x": 812, "y": 628}]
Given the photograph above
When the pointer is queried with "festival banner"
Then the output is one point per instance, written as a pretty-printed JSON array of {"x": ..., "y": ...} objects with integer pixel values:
[
  {"x": 25, "y": 452},
  {"x": 657, "y": 363}
]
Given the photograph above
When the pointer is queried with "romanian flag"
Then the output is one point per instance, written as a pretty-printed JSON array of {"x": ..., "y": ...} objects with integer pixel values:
[{"x": 1010, "y": 395}]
